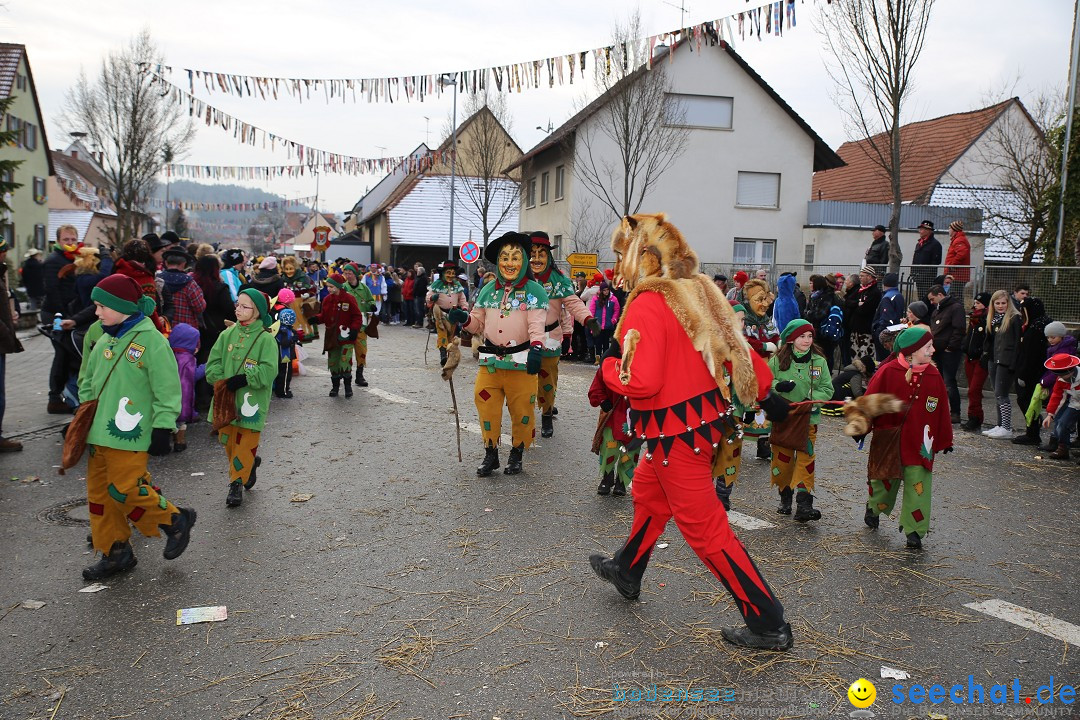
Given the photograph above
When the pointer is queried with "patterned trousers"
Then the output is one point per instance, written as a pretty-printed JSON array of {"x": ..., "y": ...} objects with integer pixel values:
[
  {"x": 517, "y": 389},
  {"x": 118, "y": 491},
  {"x": 241, "y": 446},
  {"x": 547, "y": 383},
  {"x": 794, "y": 469},
  {"x": 619, "y": 463},
  {"x": 915, "y": 508}
]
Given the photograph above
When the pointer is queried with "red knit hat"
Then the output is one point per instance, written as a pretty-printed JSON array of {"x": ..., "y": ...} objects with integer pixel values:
[
  {"x": 741, "y": 277},
  {"x": 337, "y": 280}
]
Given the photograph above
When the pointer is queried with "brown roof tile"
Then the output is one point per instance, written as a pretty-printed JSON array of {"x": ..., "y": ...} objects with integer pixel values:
[{"x": 930, "y": 148}]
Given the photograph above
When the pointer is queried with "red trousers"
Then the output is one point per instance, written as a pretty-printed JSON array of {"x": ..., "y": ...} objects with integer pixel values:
[
  {"x": 684, "y": 489},
  {"x": 976, "y": 377}
]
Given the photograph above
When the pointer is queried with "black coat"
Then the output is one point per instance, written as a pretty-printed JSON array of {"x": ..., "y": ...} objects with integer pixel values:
[
  {"x": 927, "y": 254},
  {"x": 947, "y": 323},
  {"x": 975, "y": 337},
  {"x": 267, "y": 281},
  {"x": 59, "y": 292},
  {"x": 877, "y": 255},
  {"x": 1003, "y": 348},
  {"x": 860, "y": 305},
  {"x": 817, "y": 307},
  {"x": 33, "y": 277}
]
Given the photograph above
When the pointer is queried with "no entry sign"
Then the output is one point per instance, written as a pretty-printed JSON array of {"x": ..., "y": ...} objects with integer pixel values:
[{"x": 470, "y": 252}]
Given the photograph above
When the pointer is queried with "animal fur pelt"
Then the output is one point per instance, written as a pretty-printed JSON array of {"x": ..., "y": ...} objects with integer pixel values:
[
  {"x": 861, "y": 412},
  {"x": 453, "y": 350},
  {"x": 653, "y": 256}
]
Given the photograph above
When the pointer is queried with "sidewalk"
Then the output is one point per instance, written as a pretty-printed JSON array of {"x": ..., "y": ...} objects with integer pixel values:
[{"x": 27, "y": 387}]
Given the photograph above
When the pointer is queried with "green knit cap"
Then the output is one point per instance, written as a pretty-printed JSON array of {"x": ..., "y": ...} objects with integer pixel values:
[
  {"x": 738, "y": 307},
  {"x": 910, "y": 340},
  {"x": 794, "y": 329},
  {"x": 262, "y": 305}
]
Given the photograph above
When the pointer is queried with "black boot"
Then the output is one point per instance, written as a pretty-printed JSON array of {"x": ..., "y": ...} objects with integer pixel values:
[
  {"x": 120, "y": 558},
  {"x": 348, "y": 386},
  {"x": 336, "y": 379},
  {"x": 236, "y": 495},
  {"x": 1051, "y": 444},
  {"x": 779, "y": 639},
  {"x": 764, "y": 449},
  {"x": 547, "y": 427},
  {"x": 491, "y": 462},
  {"x": 251, "y": 478},
  {"x": 606, "y": 483},
  {"x": 360, "y": 381},
  {"x": 972, "y": 424},
  {"x": 513, "y": 463},
  {"x": 178, "y": 533},
  {"x": 805, "y": 510},
  {"x": 620, "y": 489},
  {"x": 90, "y": 539},
  {"x": 723, "y": 492},
  {"x": 442, "y": 356},
  {"x": 607, "y": 570},
  {"x": 1030, "y": 437},
  {"x": 871, "y": 519},
  {"x": 785, "y": 501},
  {"x": 914, "y": 541}
]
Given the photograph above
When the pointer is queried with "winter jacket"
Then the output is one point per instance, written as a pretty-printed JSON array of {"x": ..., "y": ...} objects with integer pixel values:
[
  {"x": 420, "y": 285},
  {"x": 975, "y": 337},
  {"x": 184, "y": 341},
  {"x": 33, "y": 277},
  {"x": 925, "y": 424},
  {"x": 362, "y": 296},
  {"x": 927, "y": 253},
  {"x": 947, "y": 325},
  {"x": 877, "y": 255},
  {"x": 84, "y": 283},
  {"x": 231, "y": 278},
  {"x": 1033, "y": 344},
  {"x": 810, "y": 373},
  {"x": 267, "y": 281},
  {"x": 607, "y": 314},
  {"x": 860, "y": 305},
  {"x": 182, "y": 299},
  {"x": 9, "y": 343},
  {"x": 59, "y": 291},
  {"x": 1066, "y": 389},
  {"x": 251, "y": 351},
  {"x": 817, "y": 308},
  {"x": 891, "y": 310},
  {"x": 958, "y": 258},
  {"x": 1067, "y": 346},
  {"x": 141, "y": 394},
  {"x": 339, "y": 310},
  {"x": 407, "y": 289},
  {"x": 146, "y": 281},
  {"x": 786, "y": 308},
  {"x": 1003, "y": 348},
  {"x": 618, "y": 419}
]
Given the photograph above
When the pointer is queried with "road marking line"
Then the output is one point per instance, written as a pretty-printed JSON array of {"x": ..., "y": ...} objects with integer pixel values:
[
  {"x": 1045, "y": 624},
  {"x": 505, "y": 439},
  {"x": 389, "y": 396},
  {"x": 747, "y": 522}
]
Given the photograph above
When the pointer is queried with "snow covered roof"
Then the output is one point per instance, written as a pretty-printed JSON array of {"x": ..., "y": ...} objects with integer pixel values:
[
  {"x": 1005, "y": 240},
  {"x": 79, "y": 218},
  {"x": 422, "y": 216}
]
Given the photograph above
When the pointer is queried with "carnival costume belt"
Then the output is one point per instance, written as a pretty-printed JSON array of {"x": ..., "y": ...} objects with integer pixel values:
[
  {"x": 552, "y": 326},
  {"x": 502, "y": 351}
]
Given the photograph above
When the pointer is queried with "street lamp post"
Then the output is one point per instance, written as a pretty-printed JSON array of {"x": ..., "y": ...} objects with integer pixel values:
[{"x": 445, "y": 80}]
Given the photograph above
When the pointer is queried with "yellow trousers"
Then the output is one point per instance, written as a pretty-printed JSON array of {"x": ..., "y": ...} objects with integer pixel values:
[
  {"x": 547, "y": 382},
  {"x": 118, "y": 491},
  {"x": 517, "y": 389},
  {"x": 442, "y": 341},
  {"x": 727, "y": 459},
  {"x": 360, "y": 346},
  {"x": 794, "y": 468},
  {"x": 241, "y": 446}
]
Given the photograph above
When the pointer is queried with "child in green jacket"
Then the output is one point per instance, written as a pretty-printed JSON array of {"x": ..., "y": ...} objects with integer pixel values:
[
  {"x": 129, "y": 368},
  {"x": 800, "y": 373},
  {"x": 245, "y": 356}
]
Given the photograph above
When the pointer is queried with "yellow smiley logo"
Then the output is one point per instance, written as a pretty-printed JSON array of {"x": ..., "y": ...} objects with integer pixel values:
[{"x": 862, "y": 693}]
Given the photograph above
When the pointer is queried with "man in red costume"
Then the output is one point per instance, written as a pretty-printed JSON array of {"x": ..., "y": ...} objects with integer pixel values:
[{"x": 680, "y": 417}]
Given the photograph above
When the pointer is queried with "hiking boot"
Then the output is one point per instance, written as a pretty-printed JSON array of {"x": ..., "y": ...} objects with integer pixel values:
[
  {"x": 1030, "y": 436},
  {"x": 513, "y": 463},
  {"x": 606, "y": 569},
  {"x": 491, "y": 462},
  {"x": 9, "y": 445},
  {"x": 180, "y": 441},
  {"x": 764, "y": 449},
  {"x": 360, "y": 381},
  {"x": 1051, "y": 444},
  {"x": 251, "y": 478},
  {"x": 723, "y": 492},
  {"x": 547, "y": 427},
  {"x": 620, "y": 489},
  {"x": 442, "y": 356},
  {"x": 178, "y": 533},
  {"x": 871, "y": 519},
  {"x": 336, "y": 380},
  {"x": 58, "y": 407},
  {"x": 779, "y": 639},
  {"x": 972, "y": 424},
  {"x": 785, "y": 501},
  {"x": 606, "y": 483},
  {"x": 236, "y": 495},
  {"x": 805, "y": 510},
  {"x": 120, "y": 558},
  {"x": 1062, "y": 452},
  {"x": 348, "y": 386},
  {"x": 914, "y": 541}
]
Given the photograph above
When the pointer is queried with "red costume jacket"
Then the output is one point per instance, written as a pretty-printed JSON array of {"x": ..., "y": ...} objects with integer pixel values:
[
  {"x": 671, "y": 391},
  {"x": 338, "y": 310},
  {"x": 598, "y": 393},
  {"x": 926, "y": 427}
]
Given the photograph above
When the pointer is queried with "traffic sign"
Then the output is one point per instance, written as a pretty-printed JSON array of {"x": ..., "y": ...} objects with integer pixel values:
[
  {"x": 589, "y": 271},
  {"x": 470, "y": 252},
  {"x": 582, "y": 259}
]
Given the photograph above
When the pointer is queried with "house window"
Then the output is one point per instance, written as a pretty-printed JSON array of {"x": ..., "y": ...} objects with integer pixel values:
[
  {"x": 808, "y": 254},
  {"x": 560, "y": 176},
  {"x": 751, "y": 253},
  {"x": 39, "y": 191},
  {"x": 530, "y": 196},
  {"x": 758, "y": 190},
  {"x": 39, "y": 237},
  {"x": 7, "y": 230},
  {"x": 698, "y": 111},
  {"x": 557, "y": 252},
  {"x": 544, "y": 188},
  {"x": 30, "y": 140}
]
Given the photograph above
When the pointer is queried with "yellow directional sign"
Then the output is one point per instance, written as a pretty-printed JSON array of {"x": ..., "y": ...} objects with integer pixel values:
[
  {"x": 583, "y": 259},
  {"x": 587, "y": 269}
]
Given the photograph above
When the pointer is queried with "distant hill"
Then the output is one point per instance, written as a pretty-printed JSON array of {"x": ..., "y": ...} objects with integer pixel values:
[{"x": 191, "y": 191}]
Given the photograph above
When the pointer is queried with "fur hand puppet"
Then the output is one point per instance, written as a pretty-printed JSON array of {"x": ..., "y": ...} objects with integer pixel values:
[
  {"x": 651, "y": 255},
  {"x": 860, "y": 413}
]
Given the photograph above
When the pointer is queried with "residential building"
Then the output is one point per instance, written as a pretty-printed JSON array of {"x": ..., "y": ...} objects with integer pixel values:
[
  {"x": 738, "y": 191},
  {"x": 406, "y": 217},
  {"x": 27, "y": 224},
  {"x": 957, "y": 160},
  {"x": 79, "y": 196}
]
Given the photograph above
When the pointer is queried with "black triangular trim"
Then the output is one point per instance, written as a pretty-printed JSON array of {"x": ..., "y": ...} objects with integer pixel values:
[
  {"x": 680, "y": 412},
  {"x": 660, "y": 414},
  {"x": 666, "y": 443},
  {"x": 695, "y": 404},
  {"x": 703, "y": 431},
  {"x": 646, "y": 415},
  {"x": 651, "y": 444},
  {"x": 634, "y": 417}
]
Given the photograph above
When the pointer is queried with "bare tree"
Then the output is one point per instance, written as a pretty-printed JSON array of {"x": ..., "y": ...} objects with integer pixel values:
[
  {"x": 875, "y": 45},
  {"x": 638, "y": 117},
  {"x": 588, "y": 230},
  {"x": 126, "y": 119},
  {"x": 483, "y": 152}
]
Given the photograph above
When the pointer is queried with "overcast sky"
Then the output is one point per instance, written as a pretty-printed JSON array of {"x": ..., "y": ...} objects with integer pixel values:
[{"x": 976, "y": 49}]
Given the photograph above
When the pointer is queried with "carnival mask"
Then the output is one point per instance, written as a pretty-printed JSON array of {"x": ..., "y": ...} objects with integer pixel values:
[
  {"x": 539, "y": 258},
  {"x": 759, "y": 301},
  {"x": 511, "y": 258},
  {"x": 449, "y": 276}
]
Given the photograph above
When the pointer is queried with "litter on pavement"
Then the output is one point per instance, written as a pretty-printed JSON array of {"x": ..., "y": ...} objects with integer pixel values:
[{"x": 190, "y": 616}]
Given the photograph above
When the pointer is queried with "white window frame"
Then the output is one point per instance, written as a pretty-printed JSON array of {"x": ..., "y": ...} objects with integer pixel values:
[
  {"x": 809, "y": 252},
  {"x": 560, "y": 182},
  {"x": 752, "y": 190},
  {"x": 530, "y": 195},
  {"x": 693, "y": 111},
  {"x": 545, "y": 177},
  {"x": 758, "y": 257},
  {"x": 557, "y": 242}
]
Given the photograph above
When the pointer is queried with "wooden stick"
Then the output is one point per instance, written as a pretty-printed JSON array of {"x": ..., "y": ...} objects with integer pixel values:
[{"x": 457, "y": 419}]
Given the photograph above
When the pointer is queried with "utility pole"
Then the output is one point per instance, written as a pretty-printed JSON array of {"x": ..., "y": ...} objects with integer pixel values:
[{"x": 452, "y": 80}]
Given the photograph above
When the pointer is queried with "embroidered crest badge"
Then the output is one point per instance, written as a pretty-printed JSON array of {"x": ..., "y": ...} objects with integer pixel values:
[
  {"x": 250, "y": 364},
  {"x": 815, "y": 371},
  {"x": 931, "y": 403},
  {"x": 135, "y": 352}
]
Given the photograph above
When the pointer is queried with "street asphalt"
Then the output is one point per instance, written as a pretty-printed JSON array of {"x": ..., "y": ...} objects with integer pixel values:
[{"x": 406, "y": 587}]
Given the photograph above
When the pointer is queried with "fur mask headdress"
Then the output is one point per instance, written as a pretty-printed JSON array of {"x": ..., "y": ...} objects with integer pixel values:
[{"x": 652, "y": 255}]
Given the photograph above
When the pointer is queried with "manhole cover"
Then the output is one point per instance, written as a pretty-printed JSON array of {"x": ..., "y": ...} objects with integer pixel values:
[{"x": 69, "y": 513}]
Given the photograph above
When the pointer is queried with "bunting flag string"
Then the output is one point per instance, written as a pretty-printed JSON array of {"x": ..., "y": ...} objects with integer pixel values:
[
  {"x": 512, "y": 77},
  {"x": 414, "y": 163},
  {"x": 227, "y": 207},
  {"x": 309, "y": 157}
]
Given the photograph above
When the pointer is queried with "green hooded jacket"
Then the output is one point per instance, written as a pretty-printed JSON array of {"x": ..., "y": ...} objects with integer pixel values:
[{"x": 252, "y": 351}]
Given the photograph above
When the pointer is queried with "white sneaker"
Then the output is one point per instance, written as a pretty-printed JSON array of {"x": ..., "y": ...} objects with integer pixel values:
[
  {"x": 1000, "y": 433},
  {"x": 990, "y": 431}
]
